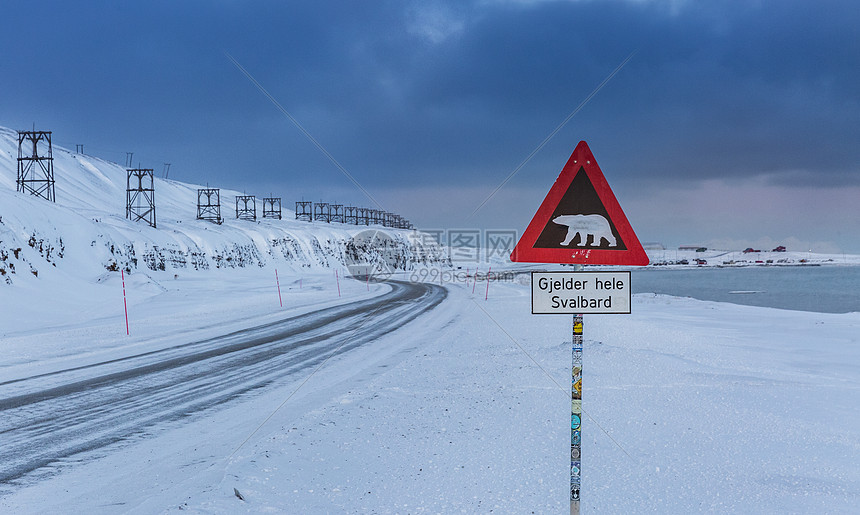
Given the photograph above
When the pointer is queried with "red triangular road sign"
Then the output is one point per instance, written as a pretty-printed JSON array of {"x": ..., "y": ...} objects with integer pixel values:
[{"x": 580, "y": 221}]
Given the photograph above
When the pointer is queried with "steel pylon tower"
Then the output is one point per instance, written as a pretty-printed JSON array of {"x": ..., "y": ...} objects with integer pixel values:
[
  {"x": 209, "y": 210},
  {"x": 36, "y": 170},
  {"x": 140, "y": 196}
]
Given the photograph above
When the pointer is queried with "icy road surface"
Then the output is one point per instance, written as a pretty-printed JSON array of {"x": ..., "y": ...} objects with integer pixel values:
[{"x": 51, "y": 416}]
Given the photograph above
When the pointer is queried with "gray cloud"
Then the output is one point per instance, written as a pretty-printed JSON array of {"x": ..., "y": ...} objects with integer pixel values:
[{"x": 411, "y": 94}]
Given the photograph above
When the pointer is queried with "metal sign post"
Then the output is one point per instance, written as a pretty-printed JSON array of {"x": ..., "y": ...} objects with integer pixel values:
[
  {"x": 576, "y": 416},
  {"x": 576, "y": 409}
]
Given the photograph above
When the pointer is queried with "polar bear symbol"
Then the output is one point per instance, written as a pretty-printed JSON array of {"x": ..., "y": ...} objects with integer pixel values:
[{"x": 585, "y": 225}]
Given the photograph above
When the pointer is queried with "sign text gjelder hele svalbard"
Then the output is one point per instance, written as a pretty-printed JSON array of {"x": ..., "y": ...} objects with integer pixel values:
[{"x": 581, "y": 292}]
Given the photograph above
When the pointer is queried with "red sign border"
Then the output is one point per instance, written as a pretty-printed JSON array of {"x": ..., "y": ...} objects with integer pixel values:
[{"x": 524, "y": 252}]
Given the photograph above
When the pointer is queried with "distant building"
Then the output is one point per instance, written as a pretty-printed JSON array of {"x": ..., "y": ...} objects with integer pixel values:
[{"x": 697, "y": 248}]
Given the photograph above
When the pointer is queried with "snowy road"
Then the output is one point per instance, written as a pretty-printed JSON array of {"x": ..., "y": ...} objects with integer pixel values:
[{"x": 52, "y": 416}]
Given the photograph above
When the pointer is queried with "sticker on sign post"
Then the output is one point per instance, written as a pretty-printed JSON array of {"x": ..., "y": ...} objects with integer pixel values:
[{"x": 556, "y": 293}]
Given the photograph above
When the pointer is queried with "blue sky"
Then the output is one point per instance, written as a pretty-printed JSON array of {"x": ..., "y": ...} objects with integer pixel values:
[{"x": 732, "y": 124}]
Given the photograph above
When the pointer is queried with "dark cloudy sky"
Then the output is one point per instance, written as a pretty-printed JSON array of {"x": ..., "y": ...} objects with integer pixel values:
[{"x": 733, "y": 123}]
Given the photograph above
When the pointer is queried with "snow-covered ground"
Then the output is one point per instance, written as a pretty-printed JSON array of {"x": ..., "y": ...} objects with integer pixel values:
[{"x": 690, "y": 407}]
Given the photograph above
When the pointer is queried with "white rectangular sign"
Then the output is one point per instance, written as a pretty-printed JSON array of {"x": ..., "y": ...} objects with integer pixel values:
[{"x": 580, "y": 293}]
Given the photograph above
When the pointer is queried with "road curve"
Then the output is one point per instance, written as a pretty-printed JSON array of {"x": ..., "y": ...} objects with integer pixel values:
[{"x": 52, "y": 416}]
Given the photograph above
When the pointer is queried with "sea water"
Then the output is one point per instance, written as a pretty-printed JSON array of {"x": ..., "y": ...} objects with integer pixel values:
[{"x": 824, "y": 289}]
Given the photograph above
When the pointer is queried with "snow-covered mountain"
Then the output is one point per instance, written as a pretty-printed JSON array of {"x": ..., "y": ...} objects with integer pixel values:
[{"x": 85, "y": 233}]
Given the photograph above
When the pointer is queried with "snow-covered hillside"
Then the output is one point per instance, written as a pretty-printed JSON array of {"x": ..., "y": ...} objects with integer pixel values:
[{"x": 85, "y": 234}]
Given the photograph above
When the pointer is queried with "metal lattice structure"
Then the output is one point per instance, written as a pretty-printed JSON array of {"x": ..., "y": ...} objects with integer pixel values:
[
  {"x": 327, "y": 212},
  {"x": 304, "y": 210},
  {"x": 246, "y": 207},
  {"x": 387, "y": 219},
  {"x": 207, "y": 209},
  {"x": 335, "y": 212},
  {"x": 36, "y": 170},
  {"x": 140, "y": 196},
  {"x": 350, "y": 215},
  {"x": 322, "y": 212},
  {"x": 272, "y": 207},
  {"x": 363, "y": 216}
]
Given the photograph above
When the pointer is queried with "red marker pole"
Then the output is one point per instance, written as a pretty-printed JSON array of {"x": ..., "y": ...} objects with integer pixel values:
[
  {"x": 278, "y": 282},
  {"x": 337, "y": 278},
  {"x": 487, "y": 294},
  {"x": 124, "y": 303}
]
